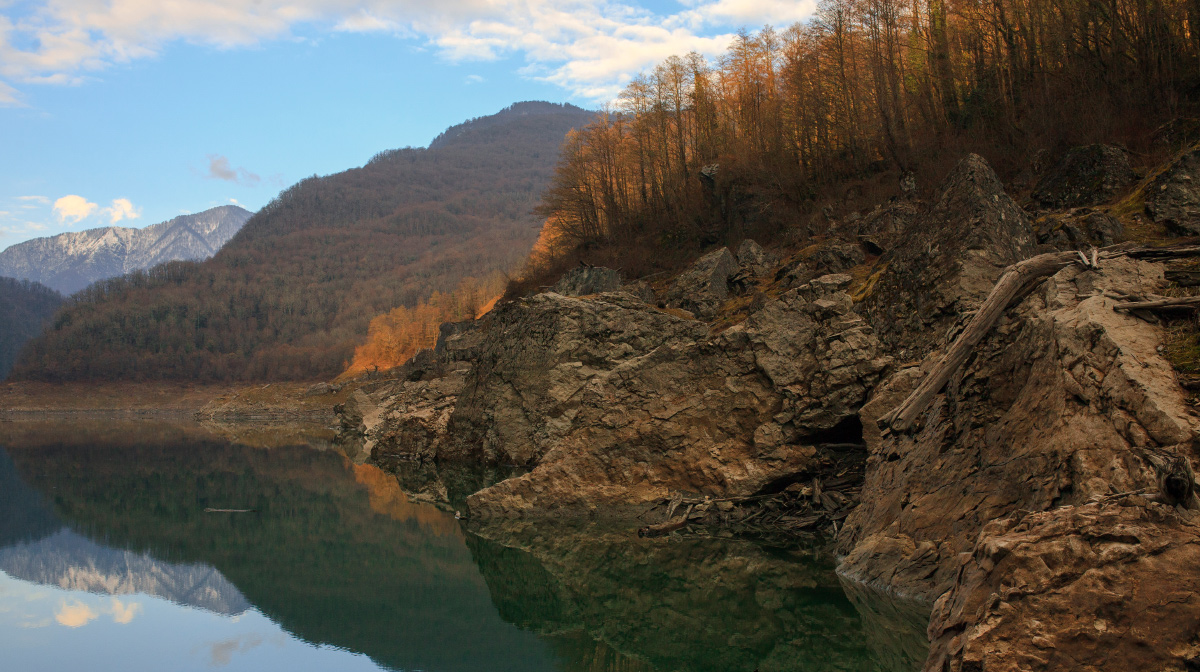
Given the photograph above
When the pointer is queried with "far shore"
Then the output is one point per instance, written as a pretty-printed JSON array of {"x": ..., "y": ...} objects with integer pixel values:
[{"x": 19, "y": 400}]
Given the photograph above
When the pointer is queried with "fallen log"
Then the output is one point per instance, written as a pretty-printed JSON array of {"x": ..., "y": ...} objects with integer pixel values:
[
  {"x": 1014, "y": 284},
  {"x": 1179, "y": 302},
  {"x": 667, "y": 527}
]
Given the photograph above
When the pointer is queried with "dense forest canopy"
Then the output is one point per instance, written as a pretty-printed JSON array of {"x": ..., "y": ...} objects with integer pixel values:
[
  {"x": 292, "y": 294},
  {"x": 698, "y": 152},
  {"x": 25, "y": 308}
]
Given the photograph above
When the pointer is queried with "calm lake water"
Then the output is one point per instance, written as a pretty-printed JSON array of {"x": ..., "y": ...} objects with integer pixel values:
[{"x": 109, "y": 561}]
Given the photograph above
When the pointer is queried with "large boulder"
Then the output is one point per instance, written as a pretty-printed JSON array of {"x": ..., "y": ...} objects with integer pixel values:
[
  {"x": 704, "y": 286},
  {"x": 1173, "y": 198},
  {"x": 1112, "y": 585},
  {"x": 616, "y": 404},
  {"x": 1065, "y": 400},
  {"x": 947, "y": 259},
  {"x": 755, "y": 259},
  {"x": 1088, "y": 175},
  {"x": 1079, "y": 229}
]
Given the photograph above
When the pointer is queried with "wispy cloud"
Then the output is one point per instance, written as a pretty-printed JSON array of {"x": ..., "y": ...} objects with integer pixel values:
[
  {"x": 219, "y": 169},
  {"x": 473, "y": 79},
  {"x": 38, "y": 199},
  {"x": 73, "y": 208},
  {"x": 590, "y": 47}
]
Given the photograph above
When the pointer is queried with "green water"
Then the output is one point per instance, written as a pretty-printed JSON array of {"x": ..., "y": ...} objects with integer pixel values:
[{"x": 109, "y": 561}]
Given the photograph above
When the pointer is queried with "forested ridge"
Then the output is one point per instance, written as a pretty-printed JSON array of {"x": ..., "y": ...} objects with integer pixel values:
[
  {"x": 25, "y": 308},
  {"x": 792, "y": 126},
  {"x": 291, "y": 295}
]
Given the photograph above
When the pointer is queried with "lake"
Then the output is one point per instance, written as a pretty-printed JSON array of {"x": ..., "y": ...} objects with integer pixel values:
[{"x": 129, "y": 546}]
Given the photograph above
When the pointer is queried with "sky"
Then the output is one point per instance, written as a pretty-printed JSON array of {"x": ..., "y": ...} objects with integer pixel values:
[{"x": 131, "y": 112}]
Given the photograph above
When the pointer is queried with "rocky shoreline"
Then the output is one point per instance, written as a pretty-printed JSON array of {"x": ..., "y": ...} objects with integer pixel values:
[{"x": 1036, "y": 502}]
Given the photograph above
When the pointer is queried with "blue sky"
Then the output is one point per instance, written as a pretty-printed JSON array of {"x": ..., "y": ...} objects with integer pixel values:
[{"x": 131, "y": 112}]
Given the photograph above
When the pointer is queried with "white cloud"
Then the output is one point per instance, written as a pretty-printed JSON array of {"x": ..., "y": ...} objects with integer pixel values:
[
  {"x": 590, "y": 47},
  {"x": 122, "y": 209},
  {"x": 73, "y": 208},
  {"x": 473, "y": 79},
  {"x": 40, "y": 199}
]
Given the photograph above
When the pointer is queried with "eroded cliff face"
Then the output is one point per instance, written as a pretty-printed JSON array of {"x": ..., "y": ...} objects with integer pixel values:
[
  {"x": 1028, "y": 488},
  {"x": 614, "y": 403},
  {"x": 1066, "y": 400}
]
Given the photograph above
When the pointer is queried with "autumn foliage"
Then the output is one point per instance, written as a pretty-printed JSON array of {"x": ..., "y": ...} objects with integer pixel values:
[
  {"x": 397, "y": 335},
  {"x": 700, "y": 152}
]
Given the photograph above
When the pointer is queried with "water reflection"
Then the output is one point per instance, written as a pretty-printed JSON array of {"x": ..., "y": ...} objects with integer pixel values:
[{"x": 104, "y": 532}]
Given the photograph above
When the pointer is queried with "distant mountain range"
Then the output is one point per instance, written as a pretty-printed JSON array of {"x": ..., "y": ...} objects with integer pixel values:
[
  {"x": 71, "y": 261},
  {"x": 69, "y": 561}
]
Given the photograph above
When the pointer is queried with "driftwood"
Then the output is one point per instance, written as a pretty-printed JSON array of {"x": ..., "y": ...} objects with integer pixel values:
[
  {"x": 1015, "y": 283},
  {"x": 1179, "y": 302},
  {"x": 667, "y": 527},
  {"x": 1183, "y": 277}
]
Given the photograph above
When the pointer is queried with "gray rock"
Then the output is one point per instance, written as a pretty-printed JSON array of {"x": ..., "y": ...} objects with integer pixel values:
[
  {"x": 948, "y": 258},
  {"x": 320, "y": 389},
  {"x": 1173, "y": 198},
  {"x": 586, "y": 280},
  {"x": 1087, "y": 175},
  {"x": 754, "y": 258},
  {"x": 615, "y": 404},
  {"x": 1080, "y": 231},
  {"x": 704, "y": 286},
  {"x": 641, "y": 290}
]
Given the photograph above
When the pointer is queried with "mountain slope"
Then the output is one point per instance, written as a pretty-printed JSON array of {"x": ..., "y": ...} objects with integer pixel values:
[
  {"x": 25, "y": 308},
  {"x": 71, "y": 261},
  {"x": 293, "y": 292}
]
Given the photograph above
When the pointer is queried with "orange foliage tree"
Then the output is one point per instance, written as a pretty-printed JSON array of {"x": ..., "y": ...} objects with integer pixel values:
[{"x": 398, "y": 334}]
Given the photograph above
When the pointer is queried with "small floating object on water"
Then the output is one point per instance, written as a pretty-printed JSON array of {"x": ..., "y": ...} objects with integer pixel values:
[{"x": 211, "y": 510}]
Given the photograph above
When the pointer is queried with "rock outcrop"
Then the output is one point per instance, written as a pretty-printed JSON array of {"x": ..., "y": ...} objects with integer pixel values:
[
  {"x": 1088, "y": 175},
  {"x": 587, "y": 280},
  {"x": 617, "y": 404},
  {"x": 947, "y": 259},
  {"x": 1173, "y": 198},
  {"x": 1079, "y": 229},
  {"x": 1065, "y": 400},
  {"x": 705, "y": 285},
  {"x": 1108, "y": 585},
  {"x": 1028, "y": 501}
]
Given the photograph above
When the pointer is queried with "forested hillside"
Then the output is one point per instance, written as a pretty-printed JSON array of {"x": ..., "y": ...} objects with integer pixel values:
[
  {"x": 25, "y": 308},
  {"x": 793, "y": 126},
  {"x": 292, "y": 294}
]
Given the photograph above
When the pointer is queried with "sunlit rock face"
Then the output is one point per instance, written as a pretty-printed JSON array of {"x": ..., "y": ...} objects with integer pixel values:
[
  {"x": 71, "y": 261},
  {"x": 71, "y": 562}
]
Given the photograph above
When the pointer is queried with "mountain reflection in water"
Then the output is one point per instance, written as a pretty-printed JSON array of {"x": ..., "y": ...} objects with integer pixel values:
[{"x": 341, "y": 559}]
